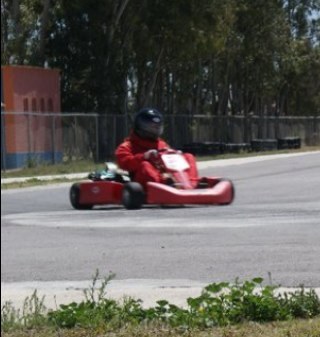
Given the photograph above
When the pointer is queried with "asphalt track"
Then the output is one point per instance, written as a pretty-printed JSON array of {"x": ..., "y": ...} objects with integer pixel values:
[{"x": 272, "y": 230}]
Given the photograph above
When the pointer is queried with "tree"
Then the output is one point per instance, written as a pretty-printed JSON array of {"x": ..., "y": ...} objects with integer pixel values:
[
  {"x": 211, "y": 57},
  {"x": 24, "y": 26}
]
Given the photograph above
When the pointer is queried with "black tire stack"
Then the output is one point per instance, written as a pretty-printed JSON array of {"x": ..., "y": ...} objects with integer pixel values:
[
  {"x": 256, "y": 145},
  {"x": 289, "y": 143}
]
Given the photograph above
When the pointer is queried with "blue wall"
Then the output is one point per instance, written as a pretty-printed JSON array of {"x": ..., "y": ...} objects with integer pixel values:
[{"x": 17, "y": 160}]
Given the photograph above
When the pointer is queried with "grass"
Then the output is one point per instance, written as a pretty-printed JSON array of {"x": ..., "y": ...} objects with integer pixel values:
[
  {"x": 296, "y": 328},
  {"x": 223, "y": 309},
  {"x": 36, "y": 182},
  {"x": 46, "y": 169}
]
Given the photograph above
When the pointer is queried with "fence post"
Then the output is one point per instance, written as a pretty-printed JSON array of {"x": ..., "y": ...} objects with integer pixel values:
[
  {"x": 3, "y": 142},
  {"x": 126, "y": 121},
  {"x": 75, "y": 136},
  {"x": 276, "y": 127},
  {"x": 114, "y": 134},
  {"x": 251, "y": 123},
  {"x": 29, "y": 135},
  {"x": 53, "y": 139},
  {"x": 171, "y": 136},
  {"x": 97, "y": 136},
  {"x": 247, "y": 136},
  {"x": 316, "y": 136}
]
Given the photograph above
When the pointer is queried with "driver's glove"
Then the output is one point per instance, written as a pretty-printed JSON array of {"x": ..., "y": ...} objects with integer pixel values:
[{"x": 150, "y": 154}]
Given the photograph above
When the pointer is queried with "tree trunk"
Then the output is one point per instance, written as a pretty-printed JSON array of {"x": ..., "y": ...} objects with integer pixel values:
[{"x": 43, "y": 31}]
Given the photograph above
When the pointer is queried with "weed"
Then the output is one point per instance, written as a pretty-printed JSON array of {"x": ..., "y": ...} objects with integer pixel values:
[
  {"x": 96, "y": 294},
  {"x": 33, "y": 314},
  {"x": 219, "y": 305},
  {"x": 302, "y": 303},
  {"x": 33, "y": 161},
  {"x": 9, "y": 317}
]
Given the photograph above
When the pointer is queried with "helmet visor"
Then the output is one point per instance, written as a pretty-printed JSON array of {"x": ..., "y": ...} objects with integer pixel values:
[{"x": 151, "y": 129}]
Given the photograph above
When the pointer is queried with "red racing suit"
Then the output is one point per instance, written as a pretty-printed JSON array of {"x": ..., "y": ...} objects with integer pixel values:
[{"x": 130, "y": 157}]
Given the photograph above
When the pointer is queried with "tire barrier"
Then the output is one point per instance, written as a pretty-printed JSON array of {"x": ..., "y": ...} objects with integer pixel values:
[
  {"x": 256, "y": 145},
  {"x": 204, "y": 148},
  {"x": 259, "y": 145},
  {"x": 237, "y": 147},
  {"x": 289, "y": 143}
]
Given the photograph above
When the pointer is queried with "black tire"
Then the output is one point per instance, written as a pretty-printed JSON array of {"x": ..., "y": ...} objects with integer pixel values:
[
  {"x": 75, "y": 197},
  {"x": 133, "y": 195},
  {"x": 259, "y": 145}
]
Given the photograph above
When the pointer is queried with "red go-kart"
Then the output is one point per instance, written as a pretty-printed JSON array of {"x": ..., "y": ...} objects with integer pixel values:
[{"x": 114, "y": 187}]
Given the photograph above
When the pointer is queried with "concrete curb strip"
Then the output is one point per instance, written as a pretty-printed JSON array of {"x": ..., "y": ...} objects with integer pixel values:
[
  {"x": 150, "y": 291},
  {"x": 44, "y": 178}
]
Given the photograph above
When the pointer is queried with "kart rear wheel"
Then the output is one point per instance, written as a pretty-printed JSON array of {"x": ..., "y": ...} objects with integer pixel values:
[
  {"x": 75, "y": 197},
  {"x": 133, "y": 195}
]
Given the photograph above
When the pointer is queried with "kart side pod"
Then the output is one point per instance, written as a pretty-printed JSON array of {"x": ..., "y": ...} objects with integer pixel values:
[
  {"x": 86, "y": 194},
  {"x": 220, "y": 194},
  {"x": 133, "y": 197}
]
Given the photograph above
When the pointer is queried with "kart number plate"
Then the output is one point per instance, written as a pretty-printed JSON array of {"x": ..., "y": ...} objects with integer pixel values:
[{"x": 175, "y": 162}]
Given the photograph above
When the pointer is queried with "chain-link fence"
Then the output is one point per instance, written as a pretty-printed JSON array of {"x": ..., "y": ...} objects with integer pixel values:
[
  {"x": 53, "y": 138},
  {"x": 241, "y": 129}
]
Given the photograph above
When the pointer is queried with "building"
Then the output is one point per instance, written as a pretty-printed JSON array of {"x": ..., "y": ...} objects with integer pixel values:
[{"x": 30, "y": 121}]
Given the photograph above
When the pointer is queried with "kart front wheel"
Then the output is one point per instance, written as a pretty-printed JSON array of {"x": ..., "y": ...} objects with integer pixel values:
[
  {"x": 75, "y": 198},
  {"x": 132, "y": 195}
]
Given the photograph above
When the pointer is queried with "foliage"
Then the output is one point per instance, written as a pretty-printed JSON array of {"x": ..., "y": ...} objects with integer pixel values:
[
  {"x": 220, "y": 304},
  {"x": 211, "y": 57}
]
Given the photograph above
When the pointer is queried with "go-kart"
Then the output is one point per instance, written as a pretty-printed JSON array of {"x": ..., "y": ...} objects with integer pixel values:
[{"x": 114, "y": 187}]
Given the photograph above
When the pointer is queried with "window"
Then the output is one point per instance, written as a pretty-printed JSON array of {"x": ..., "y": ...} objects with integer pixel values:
[{"x": 25, "y": 104}]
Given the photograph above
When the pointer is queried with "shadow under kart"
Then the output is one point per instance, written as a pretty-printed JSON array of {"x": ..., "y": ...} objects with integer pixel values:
[{"x": 114, "y": 187}]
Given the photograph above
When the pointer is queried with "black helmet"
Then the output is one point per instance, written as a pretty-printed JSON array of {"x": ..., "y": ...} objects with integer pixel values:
[{"x": 148, "y": 123}]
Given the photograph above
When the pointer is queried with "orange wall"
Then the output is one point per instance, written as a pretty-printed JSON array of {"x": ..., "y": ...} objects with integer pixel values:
[
  {"x": 22, "y": 82},
  {"x": 41, "y": 89}
]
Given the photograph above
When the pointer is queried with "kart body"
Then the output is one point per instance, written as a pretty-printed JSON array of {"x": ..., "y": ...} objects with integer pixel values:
[{"x": 114, "y": 187}]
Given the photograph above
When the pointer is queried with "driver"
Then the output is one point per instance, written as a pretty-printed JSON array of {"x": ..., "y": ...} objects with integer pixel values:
[{"x": 135, "y": 154}]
